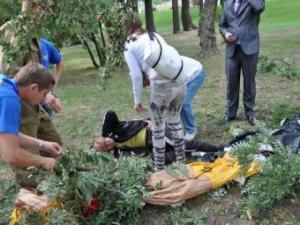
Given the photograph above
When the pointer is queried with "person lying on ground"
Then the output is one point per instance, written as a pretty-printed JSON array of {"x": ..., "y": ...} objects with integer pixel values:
[{"x": 135, "y": 137}]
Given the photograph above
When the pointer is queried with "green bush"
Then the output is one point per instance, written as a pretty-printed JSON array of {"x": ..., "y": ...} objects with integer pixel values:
[
  {"x": 282, "y": 110},
  {"x": 83, "y": 174},
  {"x": 280, "y": 67},
  {"x": 265, "y": 65},
  {"x": 183, "y": 216},
  {"x": 280, "y": 173}
]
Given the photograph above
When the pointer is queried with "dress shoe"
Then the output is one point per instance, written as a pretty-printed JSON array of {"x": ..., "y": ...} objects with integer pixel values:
[
  {"x": 251, "y": 119},
  {"x": 227, "y": 119}
]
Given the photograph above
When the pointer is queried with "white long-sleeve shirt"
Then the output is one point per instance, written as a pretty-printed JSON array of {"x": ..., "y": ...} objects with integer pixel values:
[
  {"x": 134, "y": 56},
  {"x": 191, "y": 68}
]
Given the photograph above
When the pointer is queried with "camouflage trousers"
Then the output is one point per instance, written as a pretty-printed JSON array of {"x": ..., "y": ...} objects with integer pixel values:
[
  {"x": 165, "y": 106},
  {"x": 35, "y": 122}
]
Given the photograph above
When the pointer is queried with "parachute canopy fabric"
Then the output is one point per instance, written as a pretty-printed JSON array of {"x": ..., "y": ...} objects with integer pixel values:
[
  {"x": 202, "y": 177},
  {"x": 29, "y": 201}
]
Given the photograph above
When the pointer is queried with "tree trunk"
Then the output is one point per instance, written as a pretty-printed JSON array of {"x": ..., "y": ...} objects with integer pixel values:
[
  {"x": 102, "y": 35},
  {"x": 135, "y": 7},
  {"x": 200, "y": 2},
  {"x": 149, "y": 16},
  {"x": 86, "y": 45},
  {"x": 176, "y": 24},
  {"x": 186, "y": 18},
  {"x": 222, "y": 2},
  {"x": 206, "y": 29},
  {"x": 99, "y": 49}
]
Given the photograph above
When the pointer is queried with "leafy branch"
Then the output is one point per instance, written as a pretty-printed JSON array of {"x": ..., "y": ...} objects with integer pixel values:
[
  {"x": 281, "y": 67},
  {"x": 83, "y": 174}
]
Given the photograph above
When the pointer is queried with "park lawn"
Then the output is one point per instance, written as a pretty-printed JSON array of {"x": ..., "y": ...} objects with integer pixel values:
[
  {"x": 86, "y": 96},
  {"x": 163, "y": 18},
  {"x": 278, "y": 14}
]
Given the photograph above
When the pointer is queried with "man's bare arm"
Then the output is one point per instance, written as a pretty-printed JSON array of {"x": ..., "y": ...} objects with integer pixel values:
[
  {"x": 12, "y": 154},
  {"x": 50, "y": 147},
  {"x": 59, "y": 68}
]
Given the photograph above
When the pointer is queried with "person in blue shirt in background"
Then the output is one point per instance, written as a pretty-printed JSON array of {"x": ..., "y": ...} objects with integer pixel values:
[{"x": 49, "y": 55}]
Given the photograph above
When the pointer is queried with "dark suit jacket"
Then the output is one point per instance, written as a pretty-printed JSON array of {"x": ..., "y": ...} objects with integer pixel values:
[{"x": 243, "y": 25}]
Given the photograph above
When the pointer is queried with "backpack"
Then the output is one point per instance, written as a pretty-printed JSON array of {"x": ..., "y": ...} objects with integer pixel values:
[{"x": 164, "y": 59}]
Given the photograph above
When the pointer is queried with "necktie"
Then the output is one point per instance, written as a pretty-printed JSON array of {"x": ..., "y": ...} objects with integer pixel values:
[{"x": 237, "y": 5}]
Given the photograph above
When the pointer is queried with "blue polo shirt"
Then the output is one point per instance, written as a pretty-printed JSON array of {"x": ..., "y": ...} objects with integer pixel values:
[
  {"x": 48, "y": 53},
  {"x": 10, "y": 106}
]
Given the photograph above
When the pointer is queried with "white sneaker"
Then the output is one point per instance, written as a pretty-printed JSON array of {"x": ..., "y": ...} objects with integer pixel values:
[{"x": 190, "y": 136}]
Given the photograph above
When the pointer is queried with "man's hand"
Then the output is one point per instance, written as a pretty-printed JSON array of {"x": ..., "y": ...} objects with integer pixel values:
[
  {"x": 148, "y": 124},
  {"x": 53, "y": 102},
  {"x": 48, "y": 163},
  {"x": 146, "y": 81},
  {"x": 139, "y": 107},
  {"x": 52, "y": 147},
  {"x": 230, "y": 37},
  {"x": 56, "y": 105},
  {"x": 49, "y": 98},
  {"x": 102, "y": 144}
]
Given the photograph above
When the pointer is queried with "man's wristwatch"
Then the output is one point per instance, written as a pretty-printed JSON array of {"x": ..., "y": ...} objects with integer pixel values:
[{"x": 41, "y": 144}]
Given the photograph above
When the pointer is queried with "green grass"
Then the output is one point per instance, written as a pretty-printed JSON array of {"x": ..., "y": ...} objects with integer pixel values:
[
  {"x": 163, "y": 19},
  {"x": 279, "y": 14},
  {"x": 6, "y": 180}
]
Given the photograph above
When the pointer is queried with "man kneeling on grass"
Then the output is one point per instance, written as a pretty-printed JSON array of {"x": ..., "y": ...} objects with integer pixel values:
[
  {"x": 31, "y": 85},
  {"x": 135, "y": 137}
]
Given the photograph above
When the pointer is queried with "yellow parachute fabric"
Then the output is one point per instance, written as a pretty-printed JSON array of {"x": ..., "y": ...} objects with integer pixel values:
[
  {"x": 222, "y": 170},
  {"x": 28, "y": 201},
  {"x": 18, "y": 212},
  {"x": 165, "y": 189}
]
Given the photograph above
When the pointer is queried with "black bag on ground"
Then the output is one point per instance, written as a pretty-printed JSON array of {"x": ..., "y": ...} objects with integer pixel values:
[{"x": 289, "y": 133}]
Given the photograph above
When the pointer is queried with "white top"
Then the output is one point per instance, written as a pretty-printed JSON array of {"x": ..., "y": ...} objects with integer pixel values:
[
  {"x": 134, "y": 55},
  {"x": 191, "y": 68}
]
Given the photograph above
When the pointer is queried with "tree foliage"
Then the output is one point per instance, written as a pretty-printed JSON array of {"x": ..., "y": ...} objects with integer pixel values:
[
  {"x": 281, "y": 67},
  {"x": 184, "y": 216},
  {"x": 277, "y": 180},
  {"x": 8, "y": 9},
  {"x": 99, "y": 25},
  {"x": 279, "y": 175},
  {"x": 83, "y": 174}
]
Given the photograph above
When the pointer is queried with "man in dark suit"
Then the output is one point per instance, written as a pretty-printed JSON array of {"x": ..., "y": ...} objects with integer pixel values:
[{"x": 239, "y": 27}]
